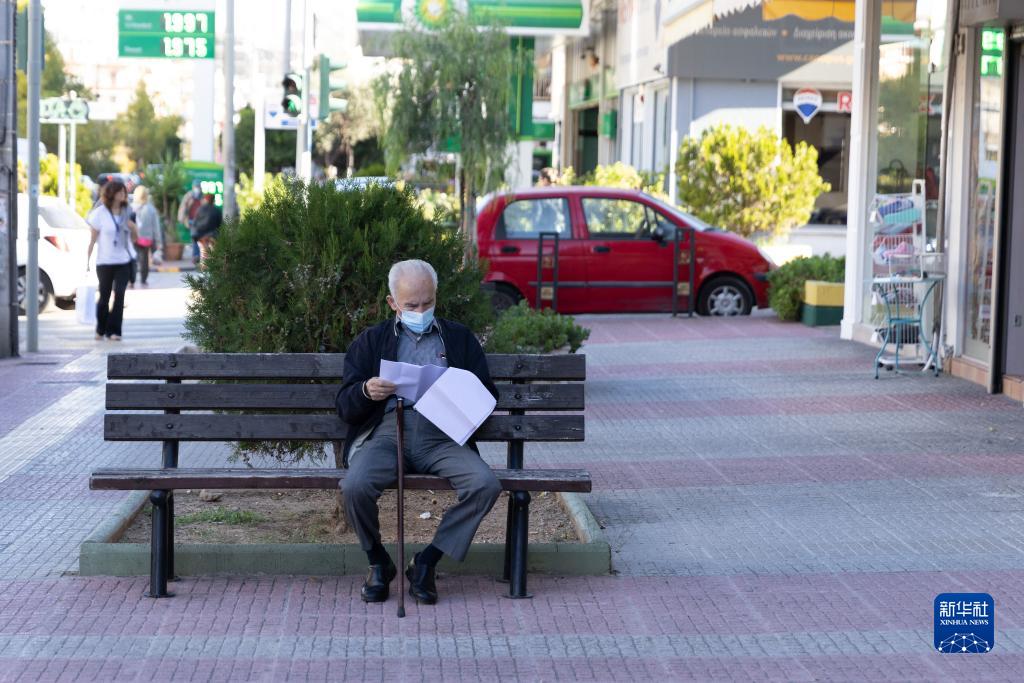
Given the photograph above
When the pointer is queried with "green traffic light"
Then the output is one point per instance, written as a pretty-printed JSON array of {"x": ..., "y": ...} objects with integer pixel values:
[{"x": 292, "y": 101}]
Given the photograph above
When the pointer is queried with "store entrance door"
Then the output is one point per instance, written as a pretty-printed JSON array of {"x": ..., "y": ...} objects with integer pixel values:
[
  {"x": 829, "y": 133},
  {"x": 1013, "y": 281},
  {"x": 586, "y": 144}
]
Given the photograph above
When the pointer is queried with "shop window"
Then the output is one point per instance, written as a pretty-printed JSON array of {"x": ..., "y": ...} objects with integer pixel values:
[{"x": 981, "y": 229}]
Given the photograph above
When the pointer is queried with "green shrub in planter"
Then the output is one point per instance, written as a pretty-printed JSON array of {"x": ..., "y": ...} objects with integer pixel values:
[
  {"x": 521, "y": 329},
  {"x": 787, "y": 282},
  {"x": 306, "y": 271}
]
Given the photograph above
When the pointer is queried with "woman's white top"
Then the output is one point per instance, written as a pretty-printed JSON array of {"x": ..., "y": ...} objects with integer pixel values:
[{"x": 114, "y": 242}]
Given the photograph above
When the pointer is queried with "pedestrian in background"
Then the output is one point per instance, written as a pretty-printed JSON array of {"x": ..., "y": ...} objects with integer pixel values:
[
  {"x": 206, "y": 225},
  {"x": 113, "y": 231},
  {"x": 148, "y": 221},
  {"x": 187, "y": 211}
]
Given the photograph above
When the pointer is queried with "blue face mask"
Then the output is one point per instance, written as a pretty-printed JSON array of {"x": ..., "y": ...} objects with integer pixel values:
[{"x": 417, "y": 322}]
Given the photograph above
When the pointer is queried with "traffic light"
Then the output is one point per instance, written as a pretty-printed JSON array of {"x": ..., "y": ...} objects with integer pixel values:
[
  {"x": 292, "y": 101},
  {"x": 328, "y": 87}
]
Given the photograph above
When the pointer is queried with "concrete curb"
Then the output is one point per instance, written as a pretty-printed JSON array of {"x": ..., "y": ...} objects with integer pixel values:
[{"x": 101, "y": 555}]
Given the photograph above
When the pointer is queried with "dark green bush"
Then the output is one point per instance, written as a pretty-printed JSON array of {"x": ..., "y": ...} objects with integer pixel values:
[
  {"x": 521, "y": 329},
  {"x": 787, "y": 282},
  {"x": 374, "y": 170},
  {"x": 307, "y": 270}
]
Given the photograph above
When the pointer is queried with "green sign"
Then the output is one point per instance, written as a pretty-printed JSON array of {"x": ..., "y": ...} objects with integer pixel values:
[
  {"x": 518, "y": 17},
  {"x": 211, "y": 177},
  {"x": 177, "y": 34},
  {"x": 993, "y": 43}
]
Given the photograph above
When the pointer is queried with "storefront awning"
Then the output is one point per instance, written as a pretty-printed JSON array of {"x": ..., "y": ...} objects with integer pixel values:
[{"x": 702, "y": 16}]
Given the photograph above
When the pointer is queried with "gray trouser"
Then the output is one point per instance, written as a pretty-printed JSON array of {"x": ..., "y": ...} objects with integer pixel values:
[{"x": 374, "y": 468}]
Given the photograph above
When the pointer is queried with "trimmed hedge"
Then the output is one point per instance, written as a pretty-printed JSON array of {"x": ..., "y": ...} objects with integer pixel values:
[{"x": 787, "y": 282}]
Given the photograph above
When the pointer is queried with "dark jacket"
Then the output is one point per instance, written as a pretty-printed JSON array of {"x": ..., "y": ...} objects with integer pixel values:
[
  {"x": 207, "y": 222},
  {"x": 380, "y": 342}
]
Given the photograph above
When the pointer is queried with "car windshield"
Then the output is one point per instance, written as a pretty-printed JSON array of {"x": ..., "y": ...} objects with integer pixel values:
[
  {"x": 689, "y": 219},
  {"x": 59, "y": 215}
]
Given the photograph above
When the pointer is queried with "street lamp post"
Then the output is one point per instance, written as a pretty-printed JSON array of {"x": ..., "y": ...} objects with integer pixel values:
[{"x": 35, "y": 37}]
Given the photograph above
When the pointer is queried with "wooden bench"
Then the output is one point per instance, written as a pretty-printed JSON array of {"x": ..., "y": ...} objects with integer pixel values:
[{"x": 299, "y": 406}]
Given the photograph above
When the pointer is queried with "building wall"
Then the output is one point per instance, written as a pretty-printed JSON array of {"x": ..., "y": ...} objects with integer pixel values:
[{"x": 702, "y": 103}]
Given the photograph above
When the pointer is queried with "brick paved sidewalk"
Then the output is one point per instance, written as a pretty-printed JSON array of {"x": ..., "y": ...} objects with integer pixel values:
[{"x": 774, "y": 512}]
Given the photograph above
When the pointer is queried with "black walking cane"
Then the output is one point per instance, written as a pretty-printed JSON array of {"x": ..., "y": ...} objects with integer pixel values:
[{"x": 401, "y": 511}]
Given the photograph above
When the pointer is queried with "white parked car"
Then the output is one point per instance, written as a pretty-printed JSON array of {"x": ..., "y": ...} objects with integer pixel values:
[{"x": 63, "y": 245}]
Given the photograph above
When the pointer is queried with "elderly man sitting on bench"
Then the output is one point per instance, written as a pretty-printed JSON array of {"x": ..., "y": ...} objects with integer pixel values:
[{"x": 366, "y": 402}]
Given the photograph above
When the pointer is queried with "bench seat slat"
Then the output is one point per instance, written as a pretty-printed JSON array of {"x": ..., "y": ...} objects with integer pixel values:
[
  {"x": 213, "y": 427},
  {"x": 323, "y": 366},
  {"x": 160, "y": 396},
  {"x": 184, "y": 478}
]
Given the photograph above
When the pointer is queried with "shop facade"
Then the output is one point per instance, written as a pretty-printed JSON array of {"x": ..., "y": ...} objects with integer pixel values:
[{"x": 969, "y": 162}]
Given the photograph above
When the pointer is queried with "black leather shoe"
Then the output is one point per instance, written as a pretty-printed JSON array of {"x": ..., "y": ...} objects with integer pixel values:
[
  {"x": 378, "y": 582},
  {"x": 421, "y": 583}
]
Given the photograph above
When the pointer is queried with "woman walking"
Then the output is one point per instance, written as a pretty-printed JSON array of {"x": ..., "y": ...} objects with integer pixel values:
[
  {"x": 148, "y": 221},
  {"x": 114, "y": 232}
]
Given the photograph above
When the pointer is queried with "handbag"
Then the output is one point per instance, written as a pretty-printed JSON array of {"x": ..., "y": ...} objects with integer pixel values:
[
  {"x": 85, "y": 305},
  {"x": 144, "y": 242}
]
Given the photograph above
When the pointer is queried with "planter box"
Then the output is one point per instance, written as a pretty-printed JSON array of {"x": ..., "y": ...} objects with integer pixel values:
[
  {"x": 822, "y": 303},
  {"x": 102, "y": 555}
]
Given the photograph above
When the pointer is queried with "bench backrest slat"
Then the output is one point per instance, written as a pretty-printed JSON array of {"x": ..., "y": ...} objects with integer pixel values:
[
  {"x": 213, "y": 427},
  {"x": 321, "y": 366},
  {"x": 160, "y": 396}
]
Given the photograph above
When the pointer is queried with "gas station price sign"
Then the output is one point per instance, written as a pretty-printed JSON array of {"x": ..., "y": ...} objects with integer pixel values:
[{"x": 172, "y": 34}]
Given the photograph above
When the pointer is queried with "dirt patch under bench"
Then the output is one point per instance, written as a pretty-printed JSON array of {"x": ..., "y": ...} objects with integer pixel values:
[{"x": 306, "y": 516}]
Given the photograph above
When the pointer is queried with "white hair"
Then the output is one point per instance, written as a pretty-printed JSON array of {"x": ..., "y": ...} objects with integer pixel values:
[{"x": 410, "y": 268}]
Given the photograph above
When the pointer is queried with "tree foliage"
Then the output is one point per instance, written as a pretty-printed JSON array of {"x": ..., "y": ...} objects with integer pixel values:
[
  {"x": 49, "y": 182},
  {"x": 147, "y": 135},
  {"x": 749, "y": 182},
  {"x": 279, "y": 145},
  {"x": 306, "y": 270},
  {"x": 167, "y": 183},
  {"x": 451, "y": 93},
  {"x": 619, "y": 174},
  {"x": 336, "y": 139}
]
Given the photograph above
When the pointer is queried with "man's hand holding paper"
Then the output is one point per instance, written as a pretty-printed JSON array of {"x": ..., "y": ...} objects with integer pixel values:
[{"x": 453, "y": 399}]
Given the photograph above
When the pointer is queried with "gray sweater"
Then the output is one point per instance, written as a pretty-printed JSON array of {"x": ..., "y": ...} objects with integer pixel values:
[{"x": 148, "y": 220}]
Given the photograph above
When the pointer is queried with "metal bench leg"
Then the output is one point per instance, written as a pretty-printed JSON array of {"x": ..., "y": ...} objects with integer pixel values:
[
  {"x": 169, "y": 569},
  {"x": 158, "y": 548},
  {"x": 506, "y": 574},
  {"x": 520, "y": 543}
]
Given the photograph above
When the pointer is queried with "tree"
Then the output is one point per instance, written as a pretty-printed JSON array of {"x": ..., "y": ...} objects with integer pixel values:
[
  {"x": 748, "y": 182},
  {"x": 54, "y": 81},
  {"x": 146, "y": 135},
  {"x": 337, "y": 138},
  {"x": 49, "y": 182},
  {"x": 451, "y": 94},
  {"x": 280, "y": 145},
  {"x": 167, "y": 184}
]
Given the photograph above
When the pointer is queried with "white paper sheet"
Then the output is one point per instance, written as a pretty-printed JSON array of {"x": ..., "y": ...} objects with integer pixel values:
[
  {"x": 457, "y": 403},
  {"x": 412, "y": 380}
]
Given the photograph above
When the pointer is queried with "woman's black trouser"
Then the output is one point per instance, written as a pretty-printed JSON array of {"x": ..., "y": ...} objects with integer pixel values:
[
  {"x": 108, "y": 318},
  {"x": 143, "y": 262}
]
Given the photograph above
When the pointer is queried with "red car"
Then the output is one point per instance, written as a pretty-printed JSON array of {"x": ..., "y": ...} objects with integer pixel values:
[{"x": 614, "y": 253}]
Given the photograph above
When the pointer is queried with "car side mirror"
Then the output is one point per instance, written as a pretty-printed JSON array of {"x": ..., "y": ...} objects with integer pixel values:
[{"x": 659, "y": 234}]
